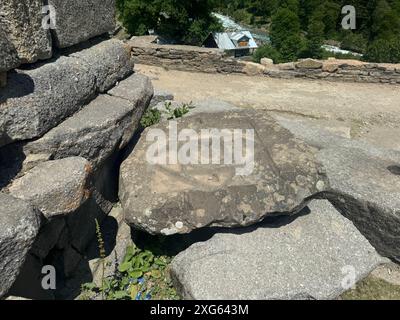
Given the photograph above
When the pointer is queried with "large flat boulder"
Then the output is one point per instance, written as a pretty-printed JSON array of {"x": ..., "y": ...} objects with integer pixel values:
[
  {"x": 56, "y": 187},
  {"x": 22, "y": 22},
  {"x": 80, "y": 20},
  {"x": 37, "y": 100},
  {"x": 366, "y": 189},
  {"x": 317, "y": 255},
  {"x": 19, "y": 225},
  {"x": 364, "y": 184},
  {"x": 105, "y": 125},
  {"x": 278, "y": 174}
]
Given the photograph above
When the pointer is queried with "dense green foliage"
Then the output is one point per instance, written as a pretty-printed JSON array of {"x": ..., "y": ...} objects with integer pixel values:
[
  {"x": 183, "y": 21},
  {"x": 299, "y": 27}
]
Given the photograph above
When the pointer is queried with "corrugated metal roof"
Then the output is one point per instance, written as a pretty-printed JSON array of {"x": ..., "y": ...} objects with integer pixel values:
[{"x": 228, "y": 40}]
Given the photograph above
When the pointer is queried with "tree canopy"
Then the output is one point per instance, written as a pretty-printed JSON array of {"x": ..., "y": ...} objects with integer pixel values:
[
  {"x": 183, "y": 21},
  {"x": 298, "y": 28},
  {"x": 307, "y": 23}
]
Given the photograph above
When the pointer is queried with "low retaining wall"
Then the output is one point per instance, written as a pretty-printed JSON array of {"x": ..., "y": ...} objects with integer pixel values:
[
  {"x": 189, "y": 58},
  {"x": 185, "y": 58}
]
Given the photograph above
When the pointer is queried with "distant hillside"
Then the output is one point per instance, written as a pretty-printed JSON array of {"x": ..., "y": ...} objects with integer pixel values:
[
  {"x": 306, "y": 23},
  {"x": 298, "y": 28}
]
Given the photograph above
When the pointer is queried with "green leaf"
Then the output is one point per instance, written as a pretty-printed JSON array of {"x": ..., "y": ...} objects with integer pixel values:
[
  {"x": 135, "y": 274},
  {"x": 89, "y": 286},
  {"x": 125, "y": 266},
  {"x": 134, "y": 291},
  {"x": 119, "y": 295},
  {"x": 160, "y": 262},
  {"x": 156, "y": 274}
]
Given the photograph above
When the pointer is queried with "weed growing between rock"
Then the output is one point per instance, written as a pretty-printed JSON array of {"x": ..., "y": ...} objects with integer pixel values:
[
  {"x": 142, "y": 275},
  {"x": 150, "y": 118},
  {"x": 154, "y": 116}
]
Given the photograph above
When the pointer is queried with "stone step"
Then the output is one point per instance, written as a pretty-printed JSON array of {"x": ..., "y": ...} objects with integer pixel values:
[
  {"x": 56, "y": 188},
  {"x": 102, "y": 127},
  {"x": 36, "y": 100},
  {"x": 316, "y": 255},
  {"x": 19, "y": 225}
]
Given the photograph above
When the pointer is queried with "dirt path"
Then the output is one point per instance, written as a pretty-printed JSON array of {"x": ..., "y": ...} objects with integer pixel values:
[{"x": 364, "y": 111}]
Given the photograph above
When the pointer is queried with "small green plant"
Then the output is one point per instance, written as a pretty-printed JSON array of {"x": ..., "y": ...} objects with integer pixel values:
[
  {"x": 179, "y": 112},
  {"x": 142, "y": 275},
  {"x": 102, "y": 252},
  {"x": 154, "y": 116},
  {"x": 150, "y": 118}
]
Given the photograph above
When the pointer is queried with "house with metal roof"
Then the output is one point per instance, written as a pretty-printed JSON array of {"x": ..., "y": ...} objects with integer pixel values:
[{"x": 238, "y": 44}]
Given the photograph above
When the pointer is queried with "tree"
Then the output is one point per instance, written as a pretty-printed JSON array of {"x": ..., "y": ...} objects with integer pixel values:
[
  {"x": 267, "y": 51},
  {"x": 285, "y": 34},
  {"x": 354, "y": 41},
  {"x": 385, "y": 22},
  {"x": 182, "y": 21},
  {"x": 383, "y": 50},
  {"x": 315, "y": 39}
]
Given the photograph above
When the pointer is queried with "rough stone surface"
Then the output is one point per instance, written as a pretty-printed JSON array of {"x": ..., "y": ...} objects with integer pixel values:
[
  {"x": 50, "y": 234},
  {"x": 105, "y": 194},
  {"x": 178, "y": 198},
  {"x": 287, "y": 66},
  {"x": 212, "y": 106},
  {"x": 110, "y": 61},
  {"x": 3, "y": 79},
  {"x": 365, "y": 184},
  {"x": 80, "y": 20},
  {"x": 137, "y": 89},
  {"x": 8, "y": 55},
  {"x": 267, "y": 62},
  {"x": 309, "y": 257},
  {"x": 253, "y": 69},
  {"x": 19, "y": 225},
  {"x": 366, "y": 189},
  {"x": 94, "y": 133},
  {"x": 22, "y": 22},
  {"x": 309, "y": 64},
  {"x": 56, "y": 187},
  {"x": 35, "y": 101},
  {"x": 160, "y": 96},
  {"x": 330, "y": 67}
]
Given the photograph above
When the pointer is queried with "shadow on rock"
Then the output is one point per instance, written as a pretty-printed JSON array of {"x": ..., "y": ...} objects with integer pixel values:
[
  {"x": 12, "y": 158},
  {"x": 173, "y": 245},
  {"x": 18, "y": 85}
]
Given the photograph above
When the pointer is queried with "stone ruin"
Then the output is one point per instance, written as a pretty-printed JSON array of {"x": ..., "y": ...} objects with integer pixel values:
[
  {"x": 71, "y": 150},
  {"x": 69, "y": 104}
]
